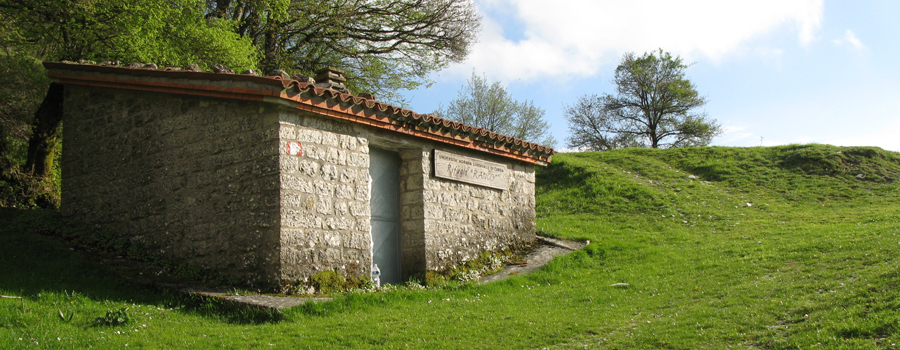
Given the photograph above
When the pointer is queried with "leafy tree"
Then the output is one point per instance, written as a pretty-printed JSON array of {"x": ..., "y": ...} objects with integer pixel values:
[
  {"x": 23, "y": 82},
  {"x": 489, "y": 106},
  {"x": 168, "y": 33},
  {"x": 382, "y": 45},
  {"x": 654, "y": 107}
]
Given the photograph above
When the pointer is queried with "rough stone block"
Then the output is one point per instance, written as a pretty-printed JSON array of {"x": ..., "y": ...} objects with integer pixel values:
[{"x": 348, "y": 175}]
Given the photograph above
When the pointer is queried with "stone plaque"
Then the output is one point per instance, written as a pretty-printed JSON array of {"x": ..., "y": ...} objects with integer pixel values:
[{"x": 470, "y": 170}]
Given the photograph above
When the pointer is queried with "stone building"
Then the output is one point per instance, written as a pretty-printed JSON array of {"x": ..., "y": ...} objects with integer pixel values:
[{"x": 271, "y": 179}]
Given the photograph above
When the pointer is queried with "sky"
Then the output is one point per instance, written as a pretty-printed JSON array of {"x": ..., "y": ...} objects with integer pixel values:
[{"x": 773, "y": 72}]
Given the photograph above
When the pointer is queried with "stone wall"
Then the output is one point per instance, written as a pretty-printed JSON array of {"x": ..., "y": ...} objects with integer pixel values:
[
  {"x": 412, "y": 211},
  {"x": 210, "y": 182},
  {"x": 325, "y": 207},
  {"x": 324, "y": 198},
  {"x": 194, "y": 179},
  {"x": 462, "y": 220}
]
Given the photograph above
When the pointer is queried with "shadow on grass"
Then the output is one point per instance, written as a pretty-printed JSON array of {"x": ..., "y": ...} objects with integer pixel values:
[
  {"x": 33, "y": 264},
  {"x": 229, "y": 311}
]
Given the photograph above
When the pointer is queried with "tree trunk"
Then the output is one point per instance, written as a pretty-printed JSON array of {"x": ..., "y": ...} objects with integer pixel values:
[
  {"x": 270, "y": 46},
  {"x": 221, "y": 9},
  {"x": 45, "y": 133},
  {"x": 270, "y": 49}
]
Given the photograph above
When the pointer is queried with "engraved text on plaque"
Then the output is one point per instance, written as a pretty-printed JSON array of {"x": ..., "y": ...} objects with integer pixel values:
[{"x": 470, "y": 170}]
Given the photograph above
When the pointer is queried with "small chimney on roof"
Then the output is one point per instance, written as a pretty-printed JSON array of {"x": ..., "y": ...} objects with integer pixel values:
[{"x": 331, "y": 78}]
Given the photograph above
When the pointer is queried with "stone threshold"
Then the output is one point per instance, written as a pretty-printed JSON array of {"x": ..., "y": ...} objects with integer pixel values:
[
  {"x": 258, "y": 300},
  {"x": 547, "y": 249}
]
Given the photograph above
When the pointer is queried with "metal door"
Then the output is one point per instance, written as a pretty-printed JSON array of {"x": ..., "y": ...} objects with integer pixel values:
[{"x": 384, "y": 169}]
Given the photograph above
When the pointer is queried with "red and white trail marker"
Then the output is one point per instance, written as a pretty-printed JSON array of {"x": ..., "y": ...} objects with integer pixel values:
[{"x": 294, "y": 149}]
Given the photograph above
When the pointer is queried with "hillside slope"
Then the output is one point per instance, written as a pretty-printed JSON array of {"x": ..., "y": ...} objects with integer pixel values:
[
  {"x": 706, "y": 248},
  {"x": 710, "y": 184},
  {"x": 774, "y": 247},
  {"x": 649, "y": 180}
]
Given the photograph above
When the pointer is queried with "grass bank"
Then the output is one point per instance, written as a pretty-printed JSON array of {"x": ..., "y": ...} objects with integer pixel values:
[{"x": 718, "y": 248}]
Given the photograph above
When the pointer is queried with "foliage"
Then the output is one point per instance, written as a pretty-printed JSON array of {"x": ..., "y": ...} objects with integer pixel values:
[
  {"x": 46, "y": 131},
  {"x": 113, "y": 318},
  {"x": 811, "y": 263},
  {"x": 328, "y": 282},
  {"x": 18, "y": 190},
  {"x": 22, "y": 84},
  {"x": 168, "y": 33},
  {"x": 161, "y": 31},
  {"x": 486, "y": 263},
  {"x": 434, "y": 279},
  {"x": 653, "y": 107},
  {"x": 65, "y": 318},
  {"x": 382, "y": 45},
  {"x": 490, "y": 106}
]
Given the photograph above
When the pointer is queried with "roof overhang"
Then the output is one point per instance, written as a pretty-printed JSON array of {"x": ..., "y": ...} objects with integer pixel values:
[{"x": 301, "y": 96}]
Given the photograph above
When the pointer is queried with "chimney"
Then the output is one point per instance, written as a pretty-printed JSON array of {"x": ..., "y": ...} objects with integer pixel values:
[{"x": 331, "y": 78}]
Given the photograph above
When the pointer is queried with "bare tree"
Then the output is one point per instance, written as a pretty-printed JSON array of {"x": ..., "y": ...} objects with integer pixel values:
[
  {"x": 489, "y": 106},
  {"x": 590, "y": 127}
]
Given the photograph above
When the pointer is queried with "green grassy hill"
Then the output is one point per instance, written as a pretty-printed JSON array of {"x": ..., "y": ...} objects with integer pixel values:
[{"x": 758, "y": 248}]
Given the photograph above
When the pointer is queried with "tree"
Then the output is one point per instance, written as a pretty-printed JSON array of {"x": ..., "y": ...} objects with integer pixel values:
[
  {"x": 489, "y": 106},
  {"x": 590, "y": 125},
  {"x": 165, "y": 32},
  {"x": 654, "y": 106},
  {"x": 23, "y": 82},
  {"x": 382, "y": 45},
  {"x": 18, "y": 104},
  {"x": 168, "y": 33}
]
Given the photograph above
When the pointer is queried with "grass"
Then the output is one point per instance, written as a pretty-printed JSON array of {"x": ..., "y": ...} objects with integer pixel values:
[{"x": 759, "y": 248}]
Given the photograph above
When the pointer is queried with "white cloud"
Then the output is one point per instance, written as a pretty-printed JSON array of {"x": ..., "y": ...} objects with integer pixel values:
[
  {"x": 576, "y": 37},
  {"x": 850, "y": 39}
]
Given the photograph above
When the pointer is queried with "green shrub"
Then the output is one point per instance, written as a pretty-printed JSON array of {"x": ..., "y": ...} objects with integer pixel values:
[
  {"x": 113, "y": 318},
  {"x": 328, "y": 282},
  {"x": 434, "y": 279},
  {"x": 357, "y": 283}
]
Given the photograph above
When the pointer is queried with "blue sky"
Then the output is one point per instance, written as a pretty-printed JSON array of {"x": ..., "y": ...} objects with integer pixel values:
[{"x": 773, "y": 72}]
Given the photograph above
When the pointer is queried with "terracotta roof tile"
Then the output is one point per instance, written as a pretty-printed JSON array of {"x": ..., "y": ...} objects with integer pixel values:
[{"x": 298, "y": 89}]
